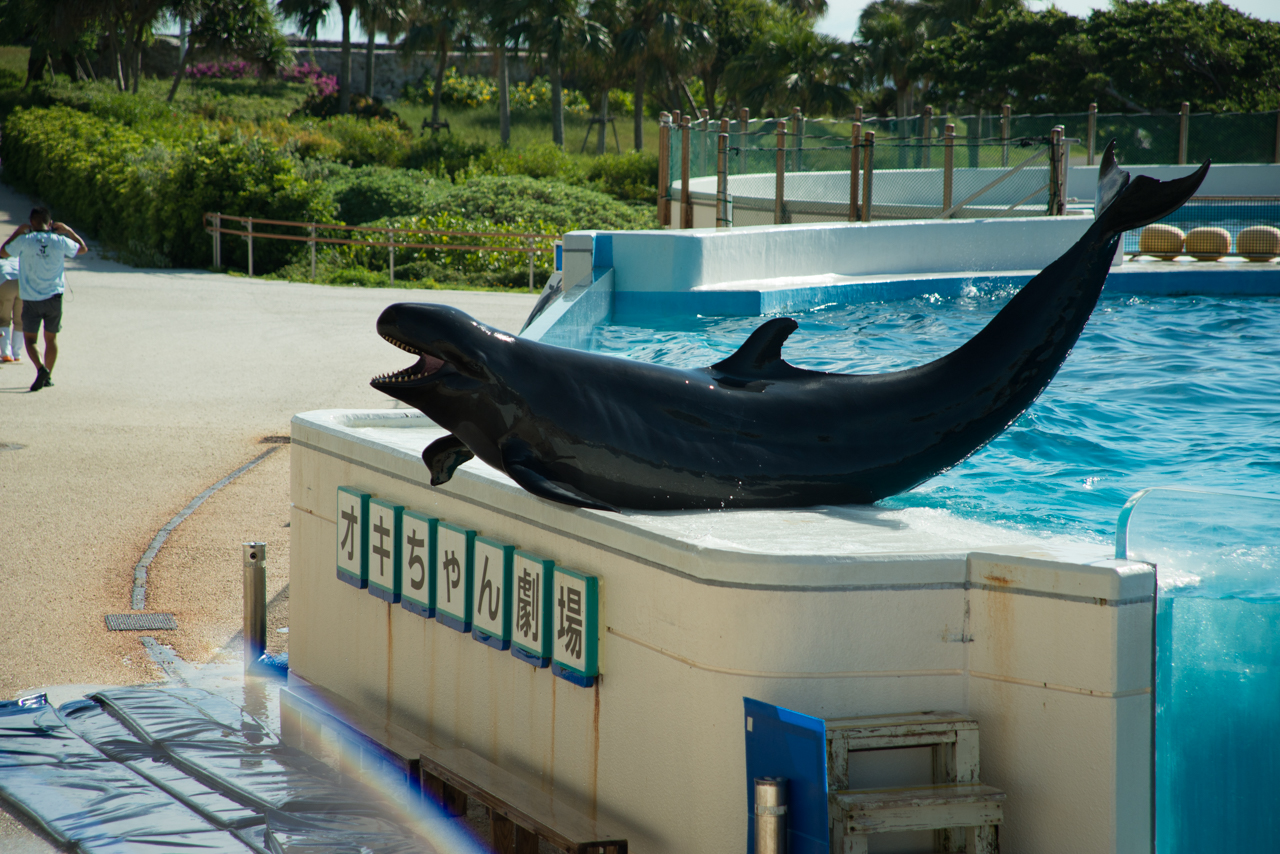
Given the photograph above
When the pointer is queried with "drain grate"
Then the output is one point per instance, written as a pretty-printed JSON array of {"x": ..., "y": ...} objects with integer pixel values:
[
  {"x": 274, "y": 440},
  {"x": 140, "y": 622}
]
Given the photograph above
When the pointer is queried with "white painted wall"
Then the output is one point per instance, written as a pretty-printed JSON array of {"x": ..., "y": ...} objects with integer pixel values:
[
  {"x": 676, "y": 260},
  {"x": 832, "y": 612}
]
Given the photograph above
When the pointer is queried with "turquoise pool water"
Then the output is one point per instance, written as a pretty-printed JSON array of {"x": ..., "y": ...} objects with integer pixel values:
[{"x": 1159, "y": 391}]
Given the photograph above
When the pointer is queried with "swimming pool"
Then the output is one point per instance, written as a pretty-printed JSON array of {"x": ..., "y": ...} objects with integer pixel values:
[{"x": 1158, "y": 391}]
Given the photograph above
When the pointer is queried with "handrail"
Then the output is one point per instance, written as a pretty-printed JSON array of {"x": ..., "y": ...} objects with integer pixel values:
[
  {"x": 249, "y": 234},
  {"x": 383, "y": 229}
]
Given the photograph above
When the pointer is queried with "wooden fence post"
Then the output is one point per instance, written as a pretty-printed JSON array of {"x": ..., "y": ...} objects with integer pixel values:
[
  {"x": 948, "y": 164},
  {"x": 391, "y": 255},
  {"x": 869, "y": 147},
  {"x": 250, "y": 239},
  {"x": 1092, "y": 131},
  {"x": 744, "y": 128},
  {"x": 1057, "y": 205},
  {"x": 780, "y": 181},
  {"x": 686, "y": 203},
  {"x": 217, "y": 241},
  {"x": 722, "y": 178},
  {"x": 1184, "y": 128},
  {"x": 664, "y": 169},
  {"x": 312, "y": 244},
  {"x": 797, "y": 131},
  {"x": 926, "y": 136},
  {"x": 1004, "y": 134},
  {"x": 854, "y": 148}
]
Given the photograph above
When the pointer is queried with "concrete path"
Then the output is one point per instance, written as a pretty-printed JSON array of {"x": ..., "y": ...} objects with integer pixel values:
[{"x": 167, "y": 381}]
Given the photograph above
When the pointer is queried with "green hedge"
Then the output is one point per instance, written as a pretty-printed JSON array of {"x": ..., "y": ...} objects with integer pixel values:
[
  {"x": 144, "y": 196},
  {"x": 519, "y": 198}
]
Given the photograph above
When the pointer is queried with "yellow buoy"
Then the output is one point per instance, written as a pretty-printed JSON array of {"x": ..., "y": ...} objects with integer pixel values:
[
  {"x": 1208, "y": 244},
  {"x": 1259, "y": 243},
  {"x": 1162, "y": 241}
]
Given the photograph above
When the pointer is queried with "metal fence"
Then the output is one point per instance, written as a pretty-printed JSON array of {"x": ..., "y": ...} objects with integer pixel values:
[
  {"x": 1232, "y": 214},
  {"x": 796, "y": 170}
]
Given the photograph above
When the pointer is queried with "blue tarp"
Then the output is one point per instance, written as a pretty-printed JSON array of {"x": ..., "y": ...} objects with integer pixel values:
[{"x": 135, "y": 770}]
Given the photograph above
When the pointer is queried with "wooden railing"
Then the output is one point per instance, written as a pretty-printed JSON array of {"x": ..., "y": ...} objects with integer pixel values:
[{"x": 213, "y": 225}]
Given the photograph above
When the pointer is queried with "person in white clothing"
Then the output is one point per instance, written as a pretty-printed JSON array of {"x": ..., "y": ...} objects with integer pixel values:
[
  {"x": 41, "y": 247},
  {"x": 10, "y": 312}
]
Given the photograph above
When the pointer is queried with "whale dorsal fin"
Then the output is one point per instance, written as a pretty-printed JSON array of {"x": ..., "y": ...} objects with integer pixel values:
[{"x": 761, "y": 355}]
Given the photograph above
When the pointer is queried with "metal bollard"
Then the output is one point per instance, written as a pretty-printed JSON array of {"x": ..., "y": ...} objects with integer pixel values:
[
  {"x": 255, "y": 602},
  {"x": 771, "y": 815}
]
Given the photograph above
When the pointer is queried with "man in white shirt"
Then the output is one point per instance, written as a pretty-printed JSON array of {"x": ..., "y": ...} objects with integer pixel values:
[{"x": 41, "y": 248}]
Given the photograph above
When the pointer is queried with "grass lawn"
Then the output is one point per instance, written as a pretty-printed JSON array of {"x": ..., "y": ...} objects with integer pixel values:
[
  {"x": 13, "y": 64},
  {"x": 528, "y": 127}
]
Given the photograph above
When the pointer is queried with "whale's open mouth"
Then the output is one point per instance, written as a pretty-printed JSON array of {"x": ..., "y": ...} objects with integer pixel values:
[{"x": 423, "y": 368}]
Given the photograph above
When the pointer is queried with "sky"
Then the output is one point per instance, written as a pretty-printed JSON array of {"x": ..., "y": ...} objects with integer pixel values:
[{"x": 842, "y": 15}]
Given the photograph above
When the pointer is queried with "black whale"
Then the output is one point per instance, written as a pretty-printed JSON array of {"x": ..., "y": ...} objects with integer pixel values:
[{"x": 751, "y": 431}]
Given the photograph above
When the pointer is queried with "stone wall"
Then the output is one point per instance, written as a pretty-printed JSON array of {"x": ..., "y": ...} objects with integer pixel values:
[{"x": 391, "y": 69}]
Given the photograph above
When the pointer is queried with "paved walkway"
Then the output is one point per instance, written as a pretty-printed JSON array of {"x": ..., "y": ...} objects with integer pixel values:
[{"x": 166, "y": 382}]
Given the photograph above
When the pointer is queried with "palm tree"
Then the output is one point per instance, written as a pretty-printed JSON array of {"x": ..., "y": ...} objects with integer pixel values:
[
  {"x": 309, "y": 14},
  {"x": 654, "y": 34},
  {"x": 437, "y": 24},
  {"x": 557, "y": 29},
  {"x": 893, "y": 31},
  {"x": 385, "y": 16},
  {"x": 792, "y": 65}
]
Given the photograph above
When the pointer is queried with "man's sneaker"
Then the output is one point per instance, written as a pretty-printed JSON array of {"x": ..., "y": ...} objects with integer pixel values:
[
  {"x": 6, "y": 358},
  {"x": 42, "y": 380},
  {"x": 48, "y": 380}
]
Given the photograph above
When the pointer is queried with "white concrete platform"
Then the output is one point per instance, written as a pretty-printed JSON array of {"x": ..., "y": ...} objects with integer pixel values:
[{"x": 829, "y": 611}]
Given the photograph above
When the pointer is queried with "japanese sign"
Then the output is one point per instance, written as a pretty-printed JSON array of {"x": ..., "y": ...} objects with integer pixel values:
[
  {"x": 531, "y": 610},
  {"x": 454, "y": 570},
  {"x": 384, "y": 556},
  {"x": 417, "y": 564},
  {"x": 575, "y": 622},
  {"x": 353, "y": 534},
  {"x": 491, "y": 613}
]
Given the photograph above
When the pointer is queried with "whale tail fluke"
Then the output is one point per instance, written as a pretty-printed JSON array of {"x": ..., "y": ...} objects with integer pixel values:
[{"x": 1123, "y": 205}]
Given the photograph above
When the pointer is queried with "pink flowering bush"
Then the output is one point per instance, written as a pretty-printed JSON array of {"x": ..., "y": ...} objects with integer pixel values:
[
  {"x": 235, "y": 69},
  {"x": 308, "y": 72}
]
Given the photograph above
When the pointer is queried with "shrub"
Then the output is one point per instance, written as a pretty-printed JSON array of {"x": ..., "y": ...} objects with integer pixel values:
[
  {"x": 363, "y": 142},
  {"x": 10, "y": 79},
  {"x": 456, "y": 90},
  {"x": 545, "y": 160},
  {"x": 521, "y": 199},
  {"x": 374, "y": 192},
  {"x": 443, "y": 154},
  {"x": 308, "y": 72},
  {"x": 235, "y": 69},
  {"x": 631, "y": 177},
  {"x": 460, "y": 265},
  {"x": 322, "y": 106},
  {"x": 145, "y": 197}
]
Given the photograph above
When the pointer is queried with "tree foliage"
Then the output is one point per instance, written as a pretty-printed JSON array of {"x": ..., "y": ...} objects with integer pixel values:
[{"x": 1138, "y": 55}]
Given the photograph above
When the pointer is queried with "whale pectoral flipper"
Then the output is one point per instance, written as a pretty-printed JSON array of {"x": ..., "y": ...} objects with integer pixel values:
[
  {"x": 443, "y": 456},
  {"x": 521, "y": 466}
]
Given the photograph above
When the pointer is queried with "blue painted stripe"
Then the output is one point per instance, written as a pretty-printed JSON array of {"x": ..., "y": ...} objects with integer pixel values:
[
  {"x": 490, "y": 640},
  {"x": 454, "y": 623},
  {"x": 354, "y": 580},
  {"x": 416, "y": 608},
  {"x": 572, "y": 676},
  {"x": 529, "y": 658},
  {"x": 384, "y": 594}
]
